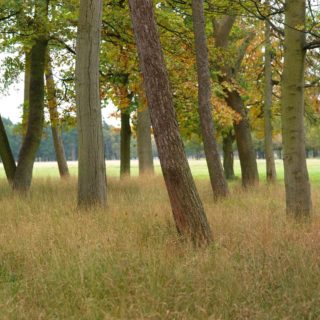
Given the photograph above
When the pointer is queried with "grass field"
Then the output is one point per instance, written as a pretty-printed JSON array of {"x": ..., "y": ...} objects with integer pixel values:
[
  {"x": 198, "y": 167},
  {"x": 127, "y": 262}
]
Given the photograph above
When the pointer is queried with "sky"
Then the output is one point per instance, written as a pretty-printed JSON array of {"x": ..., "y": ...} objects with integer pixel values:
[{"x": 10, "y": 106}]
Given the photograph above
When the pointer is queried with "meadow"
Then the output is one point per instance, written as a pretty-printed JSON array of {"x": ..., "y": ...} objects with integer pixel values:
[
  {"x": 127, "y": 262},
  {"x": 198, "y": 167}
]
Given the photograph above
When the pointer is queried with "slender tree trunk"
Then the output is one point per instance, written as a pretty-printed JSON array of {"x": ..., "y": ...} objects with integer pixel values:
[
  {"x": 298, "y": 197},
  {"x": 6, "y": 154},
  {"x": 92, "y": 170},
  {"x": 125, "y": 144},
  {"x": 228, "y": 157},
  {"x": 32, "y": 139},
  {"x": 144, "y": 143},
  {"x": 187, "y": 207},
  {"x": 25, "y": 108},
  {"x": 54, "y": 120},
  {"x": 218, "y": 181},
  {"x": 268, "y": 148}
]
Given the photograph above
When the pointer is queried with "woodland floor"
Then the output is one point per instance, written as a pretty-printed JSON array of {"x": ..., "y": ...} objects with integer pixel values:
[{"x": 127, "y": 262}]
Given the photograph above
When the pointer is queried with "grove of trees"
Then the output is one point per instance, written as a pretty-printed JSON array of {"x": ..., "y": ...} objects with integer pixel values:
[{"x": 198, "y": 77}]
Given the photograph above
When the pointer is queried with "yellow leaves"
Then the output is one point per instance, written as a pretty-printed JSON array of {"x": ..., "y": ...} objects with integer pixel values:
[
  {"x": 223, "y": 114},
  {"x": 228, "y": 86}
]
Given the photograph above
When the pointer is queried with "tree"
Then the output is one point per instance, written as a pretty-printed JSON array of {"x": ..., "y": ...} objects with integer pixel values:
[
  {"x": 298, "y": 197},
  {"x": 125, "y": 147},
  {"x": 218, "y": 181},
  {"x": 54, "y": 119},
  {"x": 248, "y": 163},
  {"x": 270, "y": 164},
  {"x": 228, "y": 156},
  {"x": 92, "y": 171},
  {"x": 188, "y": 211},
  {"x": 26, "y": 91},
  {"x": 144, "y": 143},
  {"x": 6, "y": 154},
  {"x": 32, "y": 139}
]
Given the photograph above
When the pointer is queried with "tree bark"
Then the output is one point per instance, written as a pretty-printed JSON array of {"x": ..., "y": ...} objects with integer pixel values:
[
  {"x": 125, "y": 145},
  {"x": 268, "y": 148},
  {"x": 298, "y": 197},
  {"x": 6, "y": 154},
  {"x": 228, "y": 157},
  {"x": 32, "y": 139},
  {"x": 26, "y": 91},
  {"x": 91, "y": 171},
  {"x": 144, "y": 143},
  {"x": 218, "y": 181},
  {"x": 188, "y": 211},
  {"x": 247, "y": 156},
  {"x": 54, "y": 120}
]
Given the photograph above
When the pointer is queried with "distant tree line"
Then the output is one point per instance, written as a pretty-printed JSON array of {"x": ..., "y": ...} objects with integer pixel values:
[{"x": 112, "y": 140}]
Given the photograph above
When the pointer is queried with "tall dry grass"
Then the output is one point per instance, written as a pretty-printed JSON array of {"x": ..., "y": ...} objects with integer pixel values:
[{"x": 127, "y": 262}]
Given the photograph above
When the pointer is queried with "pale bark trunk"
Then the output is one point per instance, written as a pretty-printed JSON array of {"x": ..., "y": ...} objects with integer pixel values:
[
  {"x": 268, "y": 148},
  {"x": 298, "y": 197},
  {"x": 188, "y": 211},
  {"x": 125, "y": 145},
  {"x": 54, "y": 120},
  {"x": 6, "y": 154},
  {"x": 144, "y": 143},
  {"x": 91, "y": 171},
  {"x": 218, "y": 181}
]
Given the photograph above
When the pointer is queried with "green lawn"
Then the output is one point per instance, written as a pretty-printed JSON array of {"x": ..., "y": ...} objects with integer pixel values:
[{"x": 199, "y": 169}]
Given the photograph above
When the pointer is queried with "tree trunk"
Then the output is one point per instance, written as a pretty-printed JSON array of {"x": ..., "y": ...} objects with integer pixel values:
[
  {"x": 144, "y": 143},
  {"x": 54, "y": 120},
  {"x": 218, "y": 181},
  {"x": 92, "y": 170},
  {"x": 187, "y": 207},
  {"x": 6, "y": 154},
  {"x": 26, "y": 91},
  {"x": 298, "y": 197},
  {"x": 125, "y": 143},
  {"x": 227, "y": 144},
  {"x": 32, "y": 139},
  {"x": 247, "y": 155},
  {"x": 268, "y": 148}
]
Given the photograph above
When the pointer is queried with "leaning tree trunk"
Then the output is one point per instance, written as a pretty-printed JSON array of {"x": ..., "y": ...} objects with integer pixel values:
[
  {"x": 32, "y": 139},
  {"x": 187, "y": 207},
  {"x": 298, "y": 197},
  {"x": 270, "y": 163},
  {"x": 218, "y": 181},
  {"x": 92, "y": 170},
  {"x": 144, "y": 143},
  {"x": 125, "y": 145},
  {"x": 54, "y": 120},
  {"x": 228, "y": 156},
  {"x": 6, "y": 154}
]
